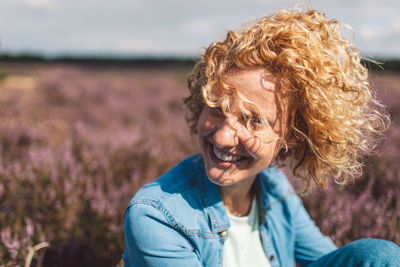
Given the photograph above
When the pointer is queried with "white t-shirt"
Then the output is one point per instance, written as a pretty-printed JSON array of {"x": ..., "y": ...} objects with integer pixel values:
[{"x": 243, "y": 246}]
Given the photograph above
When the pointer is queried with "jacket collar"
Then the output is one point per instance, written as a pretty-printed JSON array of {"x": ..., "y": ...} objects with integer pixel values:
[
  {"x": 271, "y": 184},
  {"x": 272, "y": 188},
  {"x": 212, "y": 200}
]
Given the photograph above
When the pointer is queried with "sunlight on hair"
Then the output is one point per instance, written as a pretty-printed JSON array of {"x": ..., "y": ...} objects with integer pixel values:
[{"x": 334, "y": 116}]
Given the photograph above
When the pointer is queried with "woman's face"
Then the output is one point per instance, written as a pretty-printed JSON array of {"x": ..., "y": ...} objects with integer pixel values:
[{"x": 232, "y": 153}]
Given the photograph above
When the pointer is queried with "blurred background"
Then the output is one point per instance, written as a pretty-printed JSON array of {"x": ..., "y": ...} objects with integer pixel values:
[
  {"x": 174, "y": 28},
  {"x": 91, "y": 109}
]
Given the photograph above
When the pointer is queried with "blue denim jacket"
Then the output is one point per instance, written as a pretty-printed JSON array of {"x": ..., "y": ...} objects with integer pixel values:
[{"x": 180, "y": 220}]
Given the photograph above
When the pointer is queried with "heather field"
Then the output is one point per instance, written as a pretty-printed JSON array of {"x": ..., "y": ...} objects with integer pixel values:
[{"x": 77, "y": 141}]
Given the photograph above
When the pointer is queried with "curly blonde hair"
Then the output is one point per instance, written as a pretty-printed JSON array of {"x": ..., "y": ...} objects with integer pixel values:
[{"x": 333, "y": 114}]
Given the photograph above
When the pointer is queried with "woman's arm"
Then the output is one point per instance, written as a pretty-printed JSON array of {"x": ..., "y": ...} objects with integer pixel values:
[{"x": 151, "y": 240}]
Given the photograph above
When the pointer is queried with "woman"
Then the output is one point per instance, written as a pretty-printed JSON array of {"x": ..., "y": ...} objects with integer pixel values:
[{"x": 287, "y": 88}]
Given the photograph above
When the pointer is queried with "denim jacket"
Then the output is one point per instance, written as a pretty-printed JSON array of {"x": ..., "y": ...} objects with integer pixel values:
[{"x": 180, "y": 220}]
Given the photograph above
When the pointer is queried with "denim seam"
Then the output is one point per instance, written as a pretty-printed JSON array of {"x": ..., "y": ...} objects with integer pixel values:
[{"x": 172, "y": 221}]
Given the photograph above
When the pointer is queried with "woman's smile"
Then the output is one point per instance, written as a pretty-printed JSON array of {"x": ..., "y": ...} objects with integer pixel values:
[{"x": 225, "y": 159}]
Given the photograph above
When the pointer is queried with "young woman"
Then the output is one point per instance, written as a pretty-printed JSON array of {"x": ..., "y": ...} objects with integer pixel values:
[{"x": 287, "y": 88}]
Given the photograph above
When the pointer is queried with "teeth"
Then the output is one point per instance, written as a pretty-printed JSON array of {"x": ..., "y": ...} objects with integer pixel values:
[{"x": 226, "y": 157}]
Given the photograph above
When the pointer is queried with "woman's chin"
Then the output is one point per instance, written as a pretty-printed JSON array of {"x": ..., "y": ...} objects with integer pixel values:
[
  {"x": 222, "y": 182},
  {"x": 220, "y": 177}
]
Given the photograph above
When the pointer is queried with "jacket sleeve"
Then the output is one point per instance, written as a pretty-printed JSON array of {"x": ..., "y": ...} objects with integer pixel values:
[
  {"x": 310, "y": 243},
  {"x": 151, "y": 240}
]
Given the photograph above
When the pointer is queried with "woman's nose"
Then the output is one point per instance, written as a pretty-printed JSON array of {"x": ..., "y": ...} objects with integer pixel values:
[{"x": 226, "y": 134}]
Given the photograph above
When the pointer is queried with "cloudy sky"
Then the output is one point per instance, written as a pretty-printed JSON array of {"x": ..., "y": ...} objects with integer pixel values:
[{"x": 171, "y": 27}]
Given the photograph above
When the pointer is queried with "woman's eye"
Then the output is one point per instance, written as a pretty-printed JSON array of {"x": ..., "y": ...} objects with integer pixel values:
[
  {"x": 256, "y": 120},
  {"x": 256, "y": 123}
]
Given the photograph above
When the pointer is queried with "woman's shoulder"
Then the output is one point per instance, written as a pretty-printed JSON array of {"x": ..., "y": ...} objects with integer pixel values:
[
  {"x": 176, "y": 191},
  {"x": 175, "y": 196},
  {"x": 175, "y": 181}
]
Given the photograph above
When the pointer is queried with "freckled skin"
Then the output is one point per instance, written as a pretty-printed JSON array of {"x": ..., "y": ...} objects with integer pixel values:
[{"x": 228, "y": 135}]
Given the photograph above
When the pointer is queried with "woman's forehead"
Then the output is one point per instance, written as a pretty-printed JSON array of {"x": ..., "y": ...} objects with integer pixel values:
[{"x": 258, "y": 85}]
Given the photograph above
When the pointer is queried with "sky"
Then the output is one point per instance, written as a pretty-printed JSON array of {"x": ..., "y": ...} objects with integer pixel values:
[{"x": 172, "y": 28}]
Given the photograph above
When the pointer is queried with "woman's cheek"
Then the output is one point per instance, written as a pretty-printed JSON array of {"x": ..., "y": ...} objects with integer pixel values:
[
  {"x": 203, "y": 127},
  {"x": 207, "y": 125}
]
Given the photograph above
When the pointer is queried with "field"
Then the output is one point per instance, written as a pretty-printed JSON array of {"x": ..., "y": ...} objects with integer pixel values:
[{"x": 77, "y": 141}]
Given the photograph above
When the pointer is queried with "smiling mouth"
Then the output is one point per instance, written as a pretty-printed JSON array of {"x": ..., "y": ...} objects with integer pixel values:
[{"x": 226, "y": 157}]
